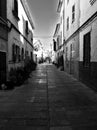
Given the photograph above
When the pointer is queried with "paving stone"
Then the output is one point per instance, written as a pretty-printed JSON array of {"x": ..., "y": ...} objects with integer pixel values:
[
  {"x": 58, "y": 117},
  {"x": 61, "y": 128},
  {"x": 24, "y": 128},
  {"x": 49, "y": 99}
]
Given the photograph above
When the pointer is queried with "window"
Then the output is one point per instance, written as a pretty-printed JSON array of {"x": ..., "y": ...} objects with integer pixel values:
[
  {"x": 3, "y": 9},
  {"x": 15, "y": 53},
  {"x": 22, "y": 54},
  {"x": 31, "y": 55},
  {"x": 73, "y": 13},
  {"x": 26, "y": 29},
  {"x": 31, "y": 37},
  {"x": 67, "y": 23},
  {"x": 15, "y": 10},
  {"x": 16, "y": 6},
  {"x": 54, "y": 45},
  {"x": 67, "y": 1},
  {"x": 86, "y": 50}
]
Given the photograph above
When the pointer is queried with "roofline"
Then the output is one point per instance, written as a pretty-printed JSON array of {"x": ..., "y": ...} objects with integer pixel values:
[{"x": 26, "y": 8}]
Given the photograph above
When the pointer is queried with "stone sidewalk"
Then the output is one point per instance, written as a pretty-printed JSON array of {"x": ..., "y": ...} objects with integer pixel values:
[
  {"x": 72, "y": 105},
  {"x": 49, "y": 100}
]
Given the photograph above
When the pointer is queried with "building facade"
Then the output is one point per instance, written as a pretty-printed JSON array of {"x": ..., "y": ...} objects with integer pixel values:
[
  {"x": 88, "y": 42},
  {"x": 71, "y": 37},
  {"x": 16, "y": 35},
  {"x": 3, "y": 40},
  {"x": 60, "y": 37},
  {"x": 20, "y": 35},
  {"x": 56, "y": 40},
  {"x": 80, "y": 40}
]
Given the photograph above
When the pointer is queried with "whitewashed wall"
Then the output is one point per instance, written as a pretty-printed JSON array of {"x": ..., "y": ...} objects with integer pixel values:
[
  {"x": 87, "y": 10},
  {"x": 13, "y": 35},
  {"x": 86, "y": 13},
  {"x": 68, "y": 13}
]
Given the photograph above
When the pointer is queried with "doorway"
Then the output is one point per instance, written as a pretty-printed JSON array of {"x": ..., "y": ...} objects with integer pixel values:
[
  {"x": 2, "y": 67},
  {"x": 87, "y": 55}
]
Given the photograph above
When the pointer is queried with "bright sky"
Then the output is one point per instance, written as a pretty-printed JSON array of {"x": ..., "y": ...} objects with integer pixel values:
[{"x": 45, "y": 17}]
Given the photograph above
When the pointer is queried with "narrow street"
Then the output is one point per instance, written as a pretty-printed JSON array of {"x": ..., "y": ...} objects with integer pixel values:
[{"x": 49, "y": 100}]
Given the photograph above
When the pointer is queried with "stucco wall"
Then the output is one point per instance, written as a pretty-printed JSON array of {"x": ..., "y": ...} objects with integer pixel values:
[
  {"x": 71, "y": 65},
  {"x": 14, "y": 37},
  {"x": 86, "y": 10},
  {"x": 68, "y": 13},
  {"x": 3, "y": 38},
  {"x": 92, "y": 27},
  {"x": 89, "y": 74},
  {"x": 3, "y": 45}
]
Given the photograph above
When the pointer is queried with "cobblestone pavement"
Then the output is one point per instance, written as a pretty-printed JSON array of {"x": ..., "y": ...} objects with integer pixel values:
[{"x": 49, "y": 100}]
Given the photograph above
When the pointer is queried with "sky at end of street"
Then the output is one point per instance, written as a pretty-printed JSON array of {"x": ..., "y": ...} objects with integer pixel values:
[{"x": 45, "y": 18}]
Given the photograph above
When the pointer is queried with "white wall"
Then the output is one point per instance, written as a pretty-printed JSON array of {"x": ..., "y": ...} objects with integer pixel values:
[
  {"x": 13, "y": 35},
  {"x": 93, "y": 29},
  {"x": 94, "y": 42},
  {"x": 21, "y": 13},
  {"x": 68, "y": 13},
  {"x": 86, "y": 10}
]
